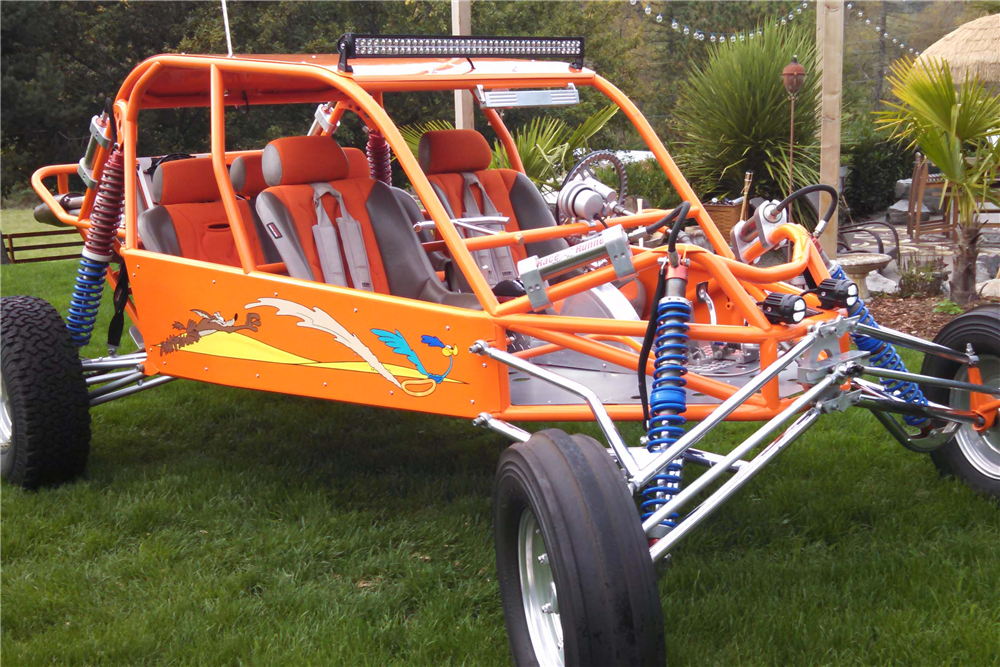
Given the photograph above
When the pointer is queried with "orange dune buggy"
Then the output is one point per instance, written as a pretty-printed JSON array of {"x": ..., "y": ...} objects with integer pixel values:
[{"x": 300, "y": 269}]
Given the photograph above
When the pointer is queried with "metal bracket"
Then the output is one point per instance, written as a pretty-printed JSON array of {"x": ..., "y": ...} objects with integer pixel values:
[
  {"x": 612, "y": 243},
  {"x": 509, "y": 99},
  {"x": 840, "y": 402},
  {"x": 812, "y": 369},
  {"x": 101, "y": 133},
  {"x": 487, "y": 420}
]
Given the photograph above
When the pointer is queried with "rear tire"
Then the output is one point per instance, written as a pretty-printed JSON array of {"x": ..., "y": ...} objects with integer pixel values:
[
  {"x": 563, "y": 496},
  {"x": 971, "y": 456},
  {"x": 45, "y": 411}
]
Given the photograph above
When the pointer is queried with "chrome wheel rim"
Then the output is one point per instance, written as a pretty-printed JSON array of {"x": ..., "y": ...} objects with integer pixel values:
[
  {"x": 982, "y": 450},
  {"x": 538, "y": 592},
  {"x": 6, "y": 420}
]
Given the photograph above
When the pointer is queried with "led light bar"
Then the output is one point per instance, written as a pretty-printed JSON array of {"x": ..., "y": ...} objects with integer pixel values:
[{"x": 352, "y": 45}]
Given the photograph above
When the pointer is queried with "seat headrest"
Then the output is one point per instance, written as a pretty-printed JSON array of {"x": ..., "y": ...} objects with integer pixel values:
[
  {"x": 358, "y": 161},
  {"x": 301, "y": 160},
  {"x": 448, "y": 151},
  {"x": 185, "y": 182},
  {"x": 247, "y": 175}
]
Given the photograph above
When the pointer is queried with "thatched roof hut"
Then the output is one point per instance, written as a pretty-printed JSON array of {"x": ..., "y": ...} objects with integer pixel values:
[{"x": 971, "y": 49}]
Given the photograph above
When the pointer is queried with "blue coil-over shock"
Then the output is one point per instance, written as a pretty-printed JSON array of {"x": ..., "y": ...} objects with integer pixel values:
[
  {"x": 98, "y": 251},
  {"x": 883, "y": 355},
  {"x": 668, "y": 400}
]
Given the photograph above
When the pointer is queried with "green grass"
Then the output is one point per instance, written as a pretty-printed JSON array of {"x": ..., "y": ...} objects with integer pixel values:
[{"x": 222, "y": 526}]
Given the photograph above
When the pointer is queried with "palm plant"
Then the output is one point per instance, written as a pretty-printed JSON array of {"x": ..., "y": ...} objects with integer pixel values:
[
  {"x": 957, "y": 130},
  {"x": 547, "y": 145},
  {"x": 733, "y": 116}
]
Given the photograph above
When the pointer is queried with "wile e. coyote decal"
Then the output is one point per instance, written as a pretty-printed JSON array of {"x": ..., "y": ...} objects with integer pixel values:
[
  {"x": 415, "y": 381},
  {"x": 208, "y": 324}
]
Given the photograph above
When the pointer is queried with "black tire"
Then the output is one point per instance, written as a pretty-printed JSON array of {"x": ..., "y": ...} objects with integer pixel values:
[
  {"x": 45, "y": 396},
  {"x": 981, "y": 328},
  {"x": 608, "y": 604}
]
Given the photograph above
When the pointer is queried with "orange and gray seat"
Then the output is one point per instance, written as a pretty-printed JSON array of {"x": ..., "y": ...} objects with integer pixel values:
[
  {"x": 345, "y": 231},
  {"x": 189, "y": 219},
  {"x": 248, "y": 182},
  {"x": 457, "y": 165}
]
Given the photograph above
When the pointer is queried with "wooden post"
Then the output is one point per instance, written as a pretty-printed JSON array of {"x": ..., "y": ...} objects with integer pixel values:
[
  {"x": 830, "y": 62},
  {"x": 461, "y": 24}
]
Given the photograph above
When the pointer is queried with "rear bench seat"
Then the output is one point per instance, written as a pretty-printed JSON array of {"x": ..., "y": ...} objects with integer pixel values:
[
  {"x": 372, "y": 248},
  {"x": 189, "y": 219}
]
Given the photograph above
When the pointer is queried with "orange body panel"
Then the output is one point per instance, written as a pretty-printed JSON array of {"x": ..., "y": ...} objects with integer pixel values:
[{"x": 309, "y": 339}]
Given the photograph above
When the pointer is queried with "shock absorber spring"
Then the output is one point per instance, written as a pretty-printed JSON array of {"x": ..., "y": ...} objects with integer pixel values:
[
  {"x": 379, "y": 157},
  {"x": 668, "y": 399},
  {"x": 883, "y": 355},
  {"x": 98, "y": 250}
]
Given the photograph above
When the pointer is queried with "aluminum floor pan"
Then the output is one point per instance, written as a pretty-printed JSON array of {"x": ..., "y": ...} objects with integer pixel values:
[{"x": 617, "y": 385}]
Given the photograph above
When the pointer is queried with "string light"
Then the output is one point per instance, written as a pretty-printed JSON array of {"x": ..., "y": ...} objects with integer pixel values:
[{"x": 722, "y": 37}]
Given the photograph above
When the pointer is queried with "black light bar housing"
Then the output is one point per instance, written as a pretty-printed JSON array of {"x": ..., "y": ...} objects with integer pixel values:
[{"x": 353, "y": 45}]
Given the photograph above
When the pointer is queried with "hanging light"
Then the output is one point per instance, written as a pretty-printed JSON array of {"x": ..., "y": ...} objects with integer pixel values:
[
  {"x": 632, "y": 2},
  {"x": 674, "y": 25},
  {"x": 850, "y": 5},
  {"x": 713, "y": 38},
  {"x": 687, "y": 30},
  {"x": 648, "y": 10},
  {"x": 791, "y": 16},
  {"x": 868, "y": 21},
  {"x": 659, "y": 18}
]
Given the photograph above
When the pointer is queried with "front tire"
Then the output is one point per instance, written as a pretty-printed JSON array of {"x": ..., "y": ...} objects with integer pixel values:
[
  {"x": 972, "y": 456},
  {"x": 577, "y": 583},
  {"x": 44, "y": 412}
]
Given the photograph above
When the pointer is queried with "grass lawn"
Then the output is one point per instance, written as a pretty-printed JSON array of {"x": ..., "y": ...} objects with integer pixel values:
[{"x": 224, "y": 526}]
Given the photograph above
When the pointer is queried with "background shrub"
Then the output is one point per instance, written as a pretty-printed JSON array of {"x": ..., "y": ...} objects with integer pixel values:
[
  {"x": 734, "y": 115},
  {"x": 875, "y": 165}
]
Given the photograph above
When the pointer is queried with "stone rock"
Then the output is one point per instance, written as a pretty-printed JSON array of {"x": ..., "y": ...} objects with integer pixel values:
[
  {"x": 990, "y": 288},
  {"x": 987, "y": 267},
  {"x": 879, "y": 283}
]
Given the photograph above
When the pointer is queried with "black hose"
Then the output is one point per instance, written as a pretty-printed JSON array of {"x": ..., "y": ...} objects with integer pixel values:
[
  {"x": 681, "y": 212},
  {"x": 829, "y": 189},
  {"x": 647, "y": 341}
]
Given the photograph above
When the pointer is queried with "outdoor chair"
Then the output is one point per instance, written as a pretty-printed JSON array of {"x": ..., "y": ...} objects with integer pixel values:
[{"x": 922, "y": 183}]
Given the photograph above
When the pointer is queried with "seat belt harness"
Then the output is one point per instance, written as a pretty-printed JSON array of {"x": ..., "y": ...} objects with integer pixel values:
[
  {"x": 497, "y": 263},
  {"x": 328, "y": 244}
]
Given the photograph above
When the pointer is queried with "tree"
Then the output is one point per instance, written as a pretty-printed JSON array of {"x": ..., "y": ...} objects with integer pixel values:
[{"x": 956, "y": 129}]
